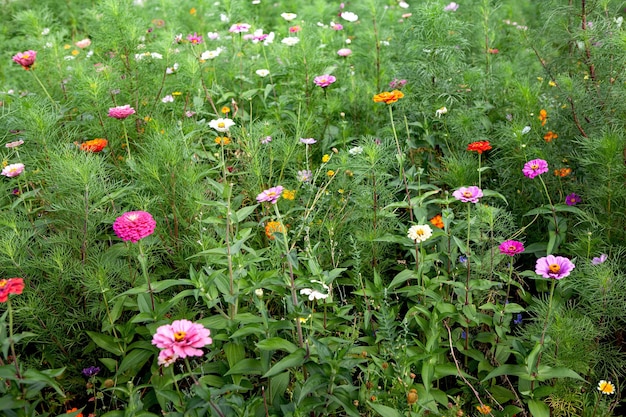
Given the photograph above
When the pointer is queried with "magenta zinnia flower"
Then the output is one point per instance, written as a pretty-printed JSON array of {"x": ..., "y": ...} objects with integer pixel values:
[
  {"x": 26, "y": 59},
  {"x": 10, "y": 286},
  {"x": 13, "y": 170},
  {"x": 324, "y": 80},
  {"x": 555, "y": 267},
  {"x": 134, "y": 226},
  {"x": 468, "y": 194},
  {"x": 194, "y": 39},
  {"x": 535, "y": 167},
  {"x": 270, "y": 195},
  {"x": 511, "y": 247},
  {"x": 180, "y": 339},
  {"x": 121, "y": 112},
  {"x": 572, "y": 199}
]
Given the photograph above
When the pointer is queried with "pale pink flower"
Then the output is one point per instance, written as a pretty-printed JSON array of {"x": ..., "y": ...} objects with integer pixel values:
[
  {"x": 134, "y": 226},
  {"x": 239, "y": 28},
  {"x": 468, "y": 194},
  {"x": 344, "y": 52},
  {"x": 555, "y": 267},
  {"x": 452, "y": 7},
  {"x": 84, "y": 43},
  {"x": 13, "y": 170},
  {"x": 180, "y": 339},
  {"x": 121, "y": 112},
  {"x": 14, "y": 144},
  {"x": 324, "y": 80},
  {"x": 271, "y": 195}
]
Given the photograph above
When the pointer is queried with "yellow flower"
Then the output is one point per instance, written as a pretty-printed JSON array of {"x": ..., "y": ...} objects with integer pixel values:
[
  {"x": 222, "y": 140},
  {"x": 225, "y": 110},
  {"x": 325, "y": 158},
  {"x": 273, "y": 227},
  {"x": 66, "y": 46},
  {"x": 483, "y": 409},
  {"x": 341, "y": 191},
  {"x": 177, "y": 93},
  {"x": 552, "y": 83},
  {"x": 606, "y": 387},
  {"x": 289, "y": 194},
  {"x": 330, "y": 173},
  {"x": 75, "y": 52},
  {"x": 192, "y": 11}
]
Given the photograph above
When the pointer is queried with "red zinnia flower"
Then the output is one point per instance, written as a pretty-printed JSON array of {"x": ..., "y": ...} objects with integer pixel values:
[
  {"x": 95, "y": 145},
  {"x": 480, "y": 146},
  {"x": 10, "y": 286}
]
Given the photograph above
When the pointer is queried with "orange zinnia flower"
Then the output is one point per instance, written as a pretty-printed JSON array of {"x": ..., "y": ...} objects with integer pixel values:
[
  {"x": 549, "y": 136},
  {"x": 273, "y": 227},
  {"x": 562, "y": 172},
  {"x": 74, "y": 409},
  {"x": 543, "y": 116},
  {"x": 95, "y": 145},
  {"x": 483, "y": 409},
  {"x": 437, "y": 221},
  {"x": 388, "y": 97},
  {"x": 480, "y": 146}
]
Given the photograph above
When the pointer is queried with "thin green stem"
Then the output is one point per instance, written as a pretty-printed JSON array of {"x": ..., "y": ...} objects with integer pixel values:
[
  {"x": 144, "y": 269},
  {"x": 126, "y": 138},
  {"x": 54, "y": 103},
  {"x": 11, "y": 341}
]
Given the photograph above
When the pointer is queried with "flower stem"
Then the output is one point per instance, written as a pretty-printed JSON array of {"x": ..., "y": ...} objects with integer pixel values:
[
  {"x": 144, "y": 268},
  {"x": 126, "y": 138},
  {"x": 543, "y": 332},
  {"x": 11, "y": 341},
  {"x": 54, "y": 103}
]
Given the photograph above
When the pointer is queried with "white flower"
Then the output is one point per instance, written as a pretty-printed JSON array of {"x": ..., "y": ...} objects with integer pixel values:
[
  {"x": 156, "y": 55},
  {"x": 224, "y": 18},
  {"x": 211, "y": 54},
  {"x": 45, "y": 31},
  {"x": 348, "y": 41},
  {"x": 89, "y": 54},
  {"x": 291, "y": 41},
  {"x": 618, "y": 21},
  {"x": 269, "y": 39},
  {"x": 525, "y": 130},
  {"x": 258, "y": 292},
  {"x": 403, "y": 4},
  {"x": 69, "y": 57},
  {"x": 262, "y": 72},
  {"x": 357, "y": 150},
  {"x": 221, "y": 125},
  {"x": 349, "y": 16},
  {"x": 313, "y": 294},
  {"x": 213, "y": 36},
  {"x": 172, "y": 70},
  {"x": 167, "y": 99},
  {"x": 384, "y": 43},
  {"x": 288, "y": 16},
  {"x": 440, "y": 112},
  {"x": 420, "y": 233},
  {"x": 48, "y": 45}
]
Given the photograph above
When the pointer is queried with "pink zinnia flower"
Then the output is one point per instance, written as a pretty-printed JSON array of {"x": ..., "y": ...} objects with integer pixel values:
[
  {"x": 572, "y": 199},
  {"x": 134, "y": 226},
  {"x": 14, "y": 144},
  {"x": 555, "y": 267},
  {"x": 194, "y": 39},
  {"x": 344, "y": 52},
  {"x": 121, "y": 112},
  {"x": 468, "y": 194},
  {"x": 180, "y": 339},
  {"x": 10, "y": 286},
  {"x": 535, "y": 167},
  {"x": 324, "y": 80},
  {"x": 599, "y": 259},
  {"x": 13, "y": 170},
  {"x": 84, "y": 43},
  {"x": 26, "y": 59},
  {"x": 270, "y": 195},
  {"x": 308, "y": 141},
  {"x": 511, "y": 247}
]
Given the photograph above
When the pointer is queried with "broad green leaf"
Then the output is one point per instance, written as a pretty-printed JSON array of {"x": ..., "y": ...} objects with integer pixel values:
[
  {"x": 246, "y": 366},
  {"x": 546, "y": 372},
  {"x": 106, "y": 342},
  {"x": 277, "y": 343},
  {"x": 384, "y": 411},
  {"x": 135, "y": 359},
  {"x": 516, "y": 370},
  {"x": 293, "y": 359},
  {"x": 538, "y": 408}
]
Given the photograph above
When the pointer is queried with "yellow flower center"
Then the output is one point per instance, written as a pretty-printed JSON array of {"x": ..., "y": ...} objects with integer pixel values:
[
  {"x": 534, "y": 166},
  {"x": 512, "y": 248},
  {"x": 419, "y": 232},
  {"x": 25, "y": 56},
  {"x": 221, "y": 125},
  {"x": 3, "y": 282},
  {"x": 179, "y": 336},
  {"x": 467, "y": 194},
  {"x": 554, "y": 268}
]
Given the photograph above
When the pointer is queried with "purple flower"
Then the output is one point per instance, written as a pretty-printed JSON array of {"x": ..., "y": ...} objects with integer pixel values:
[
  {"x": 535, "y": 167},
  {"x": 468, "y": 194},
  {"x": 397, "y": 84},
  {"x": 555, "y": 267},
  {"x": 239, "y": 28},
  {"x": 518, "y": 319},
  {"x": 451, "y": 7},
  {"x": 91, "y": 371},
  {"x": 463, "y": 260},
  {"x": 599, "y": 259},
  {"x": 304, "y": 175},
  {"x": 308, "y": 141},
  {"x": 271, "y": 195},
  {"x": 572, "y": 199},
  {"x": 511, "y": 247},
  {"x": 324, "y": 80}
]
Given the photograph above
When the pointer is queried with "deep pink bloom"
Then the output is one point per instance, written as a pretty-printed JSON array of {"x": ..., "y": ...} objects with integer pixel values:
[
  {"x": 572, "y": 199},
  {"x": 26, "y": 59},
  {"x": 336, "y": 26},
  {"x": 13, "y": 170},
  {"x": 121, "y": 112},
  {"x": 134, "y": 226},
  {"x": 511, "y": 247},
  {"x": 180, "y": 339},
  {"x": 468, "y": 194},
  {"x": 324, "y": 80},
  {"x": 397, "y": 84},
  {"x": 194, "y": 39},
  {"x": 10, "y": 286},
  {"x": 270, "y": 195},
  {"x": 555, "y": 267},
  {"x": 535, "y": 167}
]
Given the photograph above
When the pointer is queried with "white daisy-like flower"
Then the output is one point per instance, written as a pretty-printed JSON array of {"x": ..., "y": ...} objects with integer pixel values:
[
  {"x": 291, "y": 40},
  {"x": 419, "y": 233},
  {"x": 221, "y": 125},
  {"x": 262, "y": 72},
  {"x": 313, "y": 294},
  {"x": 349, "y": 16},
  {"x": 211, "y": 54},
  {"x": 288, "y": 16}
]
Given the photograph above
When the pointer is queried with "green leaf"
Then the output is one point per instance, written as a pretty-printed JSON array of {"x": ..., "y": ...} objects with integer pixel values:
[
  {"x": 293, "y": 359},
  {"x": 243, "y": 212},
  {"x": 32, "y": 375},
  {"x": 538, "y": 408},
  {"x": 460, "y": 244},
  {"x": 135, "y": 360},
  {"x": 246, "y": 366},
  {"x": 401, "y": 277},
  {"x": 546, "y": 372},
  {"x": 384, "y": 411},
  {"x": 491, "y": 193},
  {"x": 516, "y": 370},
  {"x": 277, "y": 343},
  {"x": 106, "y": 342},
  {"x": 546, "y": 209}
]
